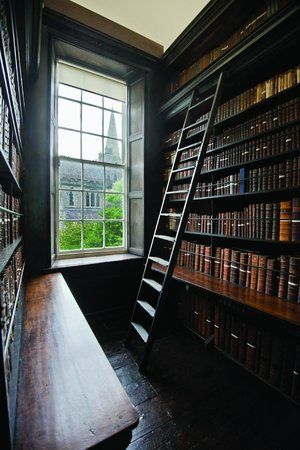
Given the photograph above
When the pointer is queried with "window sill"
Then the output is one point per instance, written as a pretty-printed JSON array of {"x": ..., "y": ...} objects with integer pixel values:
[{"x": 90, "y": 261}]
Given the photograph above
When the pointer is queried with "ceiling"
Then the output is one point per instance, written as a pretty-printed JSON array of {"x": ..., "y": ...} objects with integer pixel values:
[{"x": 159, "y": 20}]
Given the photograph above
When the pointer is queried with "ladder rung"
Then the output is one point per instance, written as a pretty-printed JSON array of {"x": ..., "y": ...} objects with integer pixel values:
[
  {"x": 182, "y": 191},
  {"x": 164, "y": 237},
  {"x": 183, "y": 169},
  {"x": 171, "y": 214},
  {"x": 147, "y": 307},
  {"x": 207, "y": 99},
  {"x": 154, "y": 284},
  {"x": 191, "y": 158},
  {"x": 196, "y": 144},
  {"x": 195, "y": 124},
  {"x": 161, "y": 261},
  {"x": 140, "y": 331}
]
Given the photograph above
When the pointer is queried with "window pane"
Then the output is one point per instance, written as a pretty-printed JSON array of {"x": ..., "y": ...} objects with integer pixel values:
[
  {"x": 70, "y": 235},
  {"x": 70, "y": 205},
  {"x": 113, "y": 151},
  {"x": 93, "y": 178},
  {"x": 114, "y": 234},
  {"x": 114, "y": 206},
  {"x": 93, "y": 205},
  {"x": 70, "y": 174},
  {"x": 91, "y": 119},
  {"x": 93, "y": 99},
  {"x": 114, "y": 179},
  {"x": 69, "y": 143},
  {"x": 112, "y": 124},
  {"x": 68, "y": 114},
  {"x": 109, "y": 103},
  {"x": 69, "y": 91},
  {"x": 93, "y": 234},
  {"x": 91, "y": 147}
]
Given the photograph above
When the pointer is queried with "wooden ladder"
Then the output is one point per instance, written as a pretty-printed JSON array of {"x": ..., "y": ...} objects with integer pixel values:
[{"x": 147, "y": 310}]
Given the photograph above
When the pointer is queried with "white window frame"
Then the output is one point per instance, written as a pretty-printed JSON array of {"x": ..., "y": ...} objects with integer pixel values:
[{"x": 65, "y": 254}]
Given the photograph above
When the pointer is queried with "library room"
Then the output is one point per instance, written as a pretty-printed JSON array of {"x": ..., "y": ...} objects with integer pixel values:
[{"x": 150, "y": 224}]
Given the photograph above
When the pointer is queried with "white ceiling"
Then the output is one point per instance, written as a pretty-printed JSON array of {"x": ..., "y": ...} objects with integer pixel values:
[{"x": 159, "y": 20}]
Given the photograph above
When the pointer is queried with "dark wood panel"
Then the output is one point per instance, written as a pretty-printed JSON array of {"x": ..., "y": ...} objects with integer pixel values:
[{"x": 69, "y": 396}]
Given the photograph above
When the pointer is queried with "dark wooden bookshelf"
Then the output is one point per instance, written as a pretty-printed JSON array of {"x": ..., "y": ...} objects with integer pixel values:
[
  {"x": 231, "y": 62},
  {"x": 7, "y": 253},
  {"x": 266, "y": 304},
  {"x": 8, "y": 176}
]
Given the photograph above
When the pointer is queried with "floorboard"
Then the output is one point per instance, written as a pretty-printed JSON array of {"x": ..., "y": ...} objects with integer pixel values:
[{"x": 193, "y": 398}]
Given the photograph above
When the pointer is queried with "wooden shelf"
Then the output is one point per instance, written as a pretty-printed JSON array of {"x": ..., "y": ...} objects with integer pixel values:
[
  {"x": 287, "y": 191},
  {"x": 266, "y": 304},
  {"x": 236, "y": 238},
  {"x": 12, "y": 318},
  {"x": 7, "y": 174},
  {"x": 7, "y": 253},
  {"x": 249, "y": 138}
]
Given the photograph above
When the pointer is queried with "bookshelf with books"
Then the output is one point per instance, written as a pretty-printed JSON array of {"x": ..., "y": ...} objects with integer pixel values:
[
  {"x": 11, "y": 241},
  {"x": 241, "y": 247}
]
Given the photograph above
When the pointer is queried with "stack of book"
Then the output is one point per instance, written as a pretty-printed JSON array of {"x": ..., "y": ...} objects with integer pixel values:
[
  {"x": 200, "y": 223},
  {"x": 272, "y": 357},
  {"x": 267, "y": 10},
  {"x": 9, "y": 222},
  {"x": 195, "y": 257},
  {"x": 276, "y": 176}
]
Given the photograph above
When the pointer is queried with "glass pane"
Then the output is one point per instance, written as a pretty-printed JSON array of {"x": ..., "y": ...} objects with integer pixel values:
[
  {"x": 70, "y": 174},
  {"x": 70, "y": 205},
  {"x": 70, "y": 235},
  {"x": 69, "y": 92},
  {"x": 93, "y": 99},
  {"x": 91, "y": 119},
  {"x": 116, "y": 105},
  {"x": 112, "y": 124},
  {"x": 93, "y": 178},
  {"x": 112, "y": 151},
  {"x": 68, "y": 114},
  {"x": 91, "y": 147},
  {"x": 114, "y": 234},
  {"x": 69, "y": 143},
  {"x": 93, "y": 234},
  {"x": 114, "y": 179},
  {"x": 93, "y": 205},
  {"x": 114, "y": 208},
  {"x": 136, "y": 173},
  {"x": 136, "y": 224}
]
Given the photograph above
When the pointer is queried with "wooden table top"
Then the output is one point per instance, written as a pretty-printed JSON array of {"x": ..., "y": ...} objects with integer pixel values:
[{"x": 69, "y": 396}]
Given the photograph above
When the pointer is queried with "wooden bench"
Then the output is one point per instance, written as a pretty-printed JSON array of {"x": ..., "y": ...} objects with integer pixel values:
[{"x": 69, "y": 397}]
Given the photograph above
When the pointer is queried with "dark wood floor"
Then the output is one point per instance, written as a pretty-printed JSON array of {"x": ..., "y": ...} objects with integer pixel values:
[{"x": 194, "y": 398}]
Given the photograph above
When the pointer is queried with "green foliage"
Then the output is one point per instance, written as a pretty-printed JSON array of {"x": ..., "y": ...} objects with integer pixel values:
[{"x": 70, "y": 232}]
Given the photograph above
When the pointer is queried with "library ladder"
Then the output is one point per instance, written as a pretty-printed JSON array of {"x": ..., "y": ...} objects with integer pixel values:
[{"x": 147, "y": 309}]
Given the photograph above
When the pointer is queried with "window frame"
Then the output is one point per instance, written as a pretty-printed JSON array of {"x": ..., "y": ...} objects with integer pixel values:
[{"x": 66, "y": 254}]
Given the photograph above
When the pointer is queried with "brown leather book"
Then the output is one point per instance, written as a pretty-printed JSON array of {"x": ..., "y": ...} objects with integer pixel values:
[
  {"x": 217, "y": 325},
  {"x": 271, "y": 277},
  {"x": 254, "y": 271},
  {"x": 293, "y": 279},
  {"x": 217, "y": 262},
  {"x": 243, "y": 268},
  {"x": 251, "y": 347},
  {"x": 235, "y": 334},
  {"x": 276, "y": 360},
  {"x": 234, "y": 266},
  {"x": 265, "y": 355},
  {"x": 226, "y": 264},
  {"x": 296, "y": 220},
  {"x": 285, "y": 229},
  {"x": 283, "y": 276},
  {"x": 261, "y": 273},
  {"x": 295, "y": 390},
  {"x": 207, "y": 260}
]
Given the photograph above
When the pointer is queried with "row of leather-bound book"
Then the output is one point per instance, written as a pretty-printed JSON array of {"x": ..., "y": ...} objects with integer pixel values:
[
  {"x": 271, "y": 356},
  {"x": 270, "y": 221},
  {"x": 266, "y": 10},
  {"x": 7, "y": 144},
  {"x": 9, "y": 223},
  {"x": 283, "y": 141},
  {"x": 276, "y": 276},
  {"x": 9, "y": 284}
]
